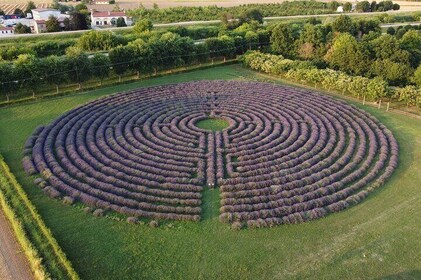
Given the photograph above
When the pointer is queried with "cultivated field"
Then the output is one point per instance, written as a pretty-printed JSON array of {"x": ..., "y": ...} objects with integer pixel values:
[
  {"x": 9, "y": 6},
  {"x": 376, "y": 239}
]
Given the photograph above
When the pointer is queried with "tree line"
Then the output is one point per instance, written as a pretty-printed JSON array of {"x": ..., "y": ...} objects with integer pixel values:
[{"x": 144, "y": 56}]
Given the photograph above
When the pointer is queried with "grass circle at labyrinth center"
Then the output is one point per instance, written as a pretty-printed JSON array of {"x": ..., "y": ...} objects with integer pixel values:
[
  {"x": 278, "y": 154},
  {"x": 212, "y": 124}
]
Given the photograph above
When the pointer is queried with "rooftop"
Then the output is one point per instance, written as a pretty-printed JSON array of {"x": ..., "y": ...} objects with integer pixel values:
[{"x": 108, "y": 14}]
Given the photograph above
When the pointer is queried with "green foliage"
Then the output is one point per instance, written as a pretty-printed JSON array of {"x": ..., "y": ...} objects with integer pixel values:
[
  {"x": 29, "y": 7},
  {"x": 22, "y": 29},
  {"x": 78, "y": 21},
  {"x": 347, "y": 7},
  {"x": 142, "y": 25},
  {"x": 416, "y": 78},
  {"x": 52, "y": 24},
  {"x": 411, "y": 42},
  {"x": 388, "y": 47},
  {"x": 394, "y": 73},
  {"x": 391, "y": 31},
  {"x": 343, "y": 24},
  {"x": 347, "y": 55},
  {"x": 250, "y": 15},
  {"x": 121, "y": 22},
  {"x": 100, "y": 66},
  {"x": 411, "y": 95},
  {"x": 363, "y": 7},
  {"x": 377, "y": 88},
  {"x": 99, "y": 41},
  {"x": 19, "y": 13},
  {"x": 282, "y": 40},
  {"x": 176, "y": 14}
]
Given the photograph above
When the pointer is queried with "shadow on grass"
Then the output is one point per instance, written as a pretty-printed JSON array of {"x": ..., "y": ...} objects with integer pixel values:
[{"x": 407, "y": 275}]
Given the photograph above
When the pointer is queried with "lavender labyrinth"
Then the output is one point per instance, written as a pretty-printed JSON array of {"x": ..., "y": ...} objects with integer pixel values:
[{"x": 286, "y": 155}]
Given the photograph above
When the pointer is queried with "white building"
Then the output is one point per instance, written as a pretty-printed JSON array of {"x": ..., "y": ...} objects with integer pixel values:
[
  {"x": 14, "y": 21},
  {"x": 6, "y": 31},
  {"x": 44, "y": 14},
  {"x": 107, "y": 19}
]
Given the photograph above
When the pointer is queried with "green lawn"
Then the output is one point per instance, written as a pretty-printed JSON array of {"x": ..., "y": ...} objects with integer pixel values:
[
  {"x": 213, "y": 124},
  {"x": 379, "y": 238}
]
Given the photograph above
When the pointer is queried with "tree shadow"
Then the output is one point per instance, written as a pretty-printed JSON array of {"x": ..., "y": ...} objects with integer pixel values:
[{"x": 407, "y": 275}]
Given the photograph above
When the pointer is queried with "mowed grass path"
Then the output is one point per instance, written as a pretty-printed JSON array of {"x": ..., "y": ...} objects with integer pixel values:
[{"x": 379, "y": 238}]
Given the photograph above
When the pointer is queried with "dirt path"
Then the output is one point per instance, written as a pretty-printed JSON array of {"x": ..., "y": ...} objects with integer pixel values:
[{"x": 13, "y": 263}]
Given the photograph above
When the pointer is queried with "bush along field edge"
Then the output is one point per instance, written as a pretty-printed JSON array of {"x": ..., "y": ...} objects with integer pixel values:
[{"x": 46, "y": 258}]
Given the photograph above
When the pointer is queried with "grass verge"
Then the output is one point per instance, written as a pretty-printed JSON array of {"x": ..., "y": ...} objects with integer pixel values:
[{"x": 46, "y": 258}]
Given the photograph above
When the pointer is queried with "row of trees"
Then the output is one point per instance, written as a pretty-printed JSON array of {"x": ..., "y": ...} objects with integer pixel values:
[
  {"x": 175, "y": 14},
  {"x": 159, "y": 52},
  {"x": 358, "y": 86}
]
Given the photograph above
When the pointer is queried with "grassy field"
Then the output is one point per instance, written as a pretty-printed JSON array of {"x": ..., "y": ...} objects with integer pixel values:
[{"x": 378, "y": 239}]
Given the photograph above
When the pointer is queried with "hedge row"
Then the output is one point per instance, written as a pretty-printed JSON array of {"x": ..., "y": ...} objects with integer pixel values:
[
  {"x": 46, "y": 258},
  {"x": 301, "y": 71}
]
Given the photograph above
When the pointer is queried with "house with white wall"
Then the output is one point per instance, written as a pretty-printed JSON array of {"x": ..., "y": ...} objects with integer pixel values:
[
  {"x": 6, "y": 31},
  {"x": 107, "y": 19}
]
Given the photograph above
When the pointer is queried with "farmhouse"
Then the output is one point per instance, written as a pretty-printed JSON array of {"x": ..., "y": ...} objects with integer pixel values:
[
  {"x": 6, "y": 31},
  {"x": 107, "y": 19}
]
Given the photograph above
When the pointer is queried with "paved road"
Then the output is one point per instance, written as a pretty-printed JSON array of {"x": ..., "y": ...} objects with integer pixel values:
[{"x": 13, "y": 263}]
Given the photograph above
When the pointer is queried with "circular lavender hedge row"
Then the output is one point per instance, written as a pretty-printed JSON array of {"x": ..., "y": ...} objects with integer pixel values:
[{"x": 289, "y": 155}]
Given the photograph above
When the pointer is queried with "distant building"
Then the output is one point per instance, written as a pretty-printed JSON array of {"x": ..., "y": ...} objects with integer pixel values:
[
  {"x": 340, "y": 9},
  {"x": 40, "y": 27},
  {"x": 9, "y": 22},
  {"x": 100, "y": 2},
  {"x": 107, "y": 19},
  {"x": 6, "y": 31},
  {"x": 44, "y": 14},
  {"x": 40, "y": 16}
]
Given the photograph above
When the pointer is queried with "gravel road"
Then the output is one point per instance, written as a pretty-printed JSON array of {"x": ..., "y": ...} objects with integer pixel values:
[{"x": 13, "y": 263}]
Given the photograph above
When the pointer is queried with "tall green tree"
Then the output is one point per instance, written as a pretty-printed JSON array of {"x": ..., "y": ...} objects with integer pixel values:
[
  {"x": 394, "y": 73},
  {"x": 142, "y": 26},
  {"x": 346, "y": 55},
  {"x": 363, "y": 6},
  {"x": 121, "y": 22},
  {"x": 22, "y": 29},
  {"x": 8, "y": 80},
  {"x": 78, "y": 21},
  {"x": 250, "y": 15},
  {"x": 282, "y": 40},
  {"x": 121, "y": 58},
  {"x": 55, "y": 70},
  {"x": 100, "y": 66},
  {"x": 29, "y": 7},
  {"x": 344, "y": 24},
  {"x": 28, "y": 68},
  {"x": 52, "y": 24},
  {"x": 411, "y": 42}
]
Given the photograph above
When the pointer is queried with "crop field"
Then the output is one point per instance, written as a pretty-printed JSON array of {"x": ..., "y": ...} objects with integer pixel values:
[
  {"x": 10, "y": 7},
  {"x": 375, "y": 239}
]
